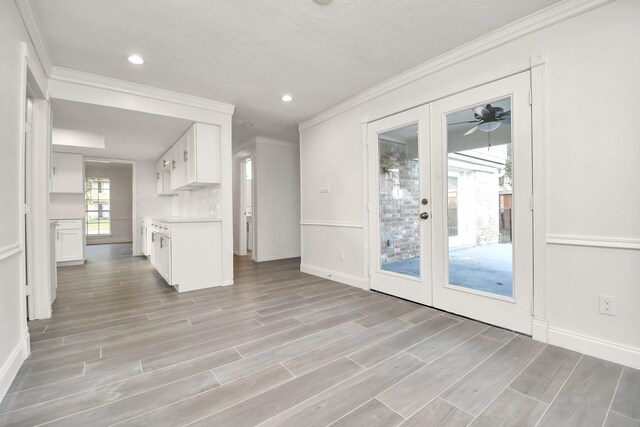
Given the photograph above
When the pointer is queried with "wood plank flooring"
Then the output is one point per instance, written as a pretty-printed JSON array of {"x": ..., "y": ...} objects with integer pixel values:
[{"x": 281, "y": 347}]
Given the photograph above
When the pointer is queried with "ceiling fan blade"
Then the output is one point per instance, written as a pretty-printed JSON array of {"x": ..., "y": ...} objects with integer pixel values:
[
  {"x": 460, "y": 123},
  {"x": 505, "y": 114},
  {"x": 472, "y": 130}
]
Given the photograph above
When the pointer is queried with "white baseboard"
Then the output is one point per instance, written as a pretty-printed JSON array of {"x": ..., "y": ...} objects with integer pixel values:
[
  {"x": 336, "y": 276},
  {"x": 12, "y": 365},
  {"x": 227, "y": 283},
  {"x": 595, "y": 347},
  {"x": 540, "y": 330},
  {"x": 69, "y": 263},
  {"x": 276, "y": 257}
]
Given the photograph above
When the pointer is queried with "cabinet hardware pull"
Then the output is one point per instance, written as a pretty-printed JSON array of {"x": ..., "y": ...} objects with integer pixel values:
[
  {"x": 157, "y": 175},
  {"x": 54, "y": 170},
  {"x": 173, "y": 164},
  {"x": 186, "y": 155}
]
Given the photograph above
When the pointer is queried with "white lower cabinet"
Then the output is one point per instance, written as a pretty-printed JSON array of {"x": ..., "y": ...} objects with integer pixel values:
[
  {"x": 69, "y": 236},
  {"x": 188, "y": 254}
]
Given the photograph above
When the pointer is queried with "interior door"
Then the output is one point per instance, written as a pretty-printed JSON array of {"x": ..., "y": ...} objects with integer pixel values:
[
  {"x": 482, "y": 194},
  {"x": 400, "y": 239}
]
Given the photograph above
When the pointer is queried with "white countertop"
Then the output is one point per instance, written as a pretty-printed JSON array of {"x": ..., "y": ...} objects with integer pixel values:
[{"x": 177, "y": 219}]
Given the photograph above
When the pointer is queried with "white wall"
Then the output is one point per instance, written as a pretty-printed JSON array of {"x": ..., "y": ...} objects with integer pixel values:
[
  {"x": 277, "y": 198},
  {"x": 66, "y": 206},
  {"x": 591, "y": 76},
  {"x": 14, "y": 338},
  {"x": 148, "y": 203}
]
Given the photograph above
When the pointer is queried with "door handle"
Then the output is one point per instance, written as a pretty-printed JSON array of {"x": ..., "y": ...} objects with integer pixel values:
[{"x": 424, "y": 215}]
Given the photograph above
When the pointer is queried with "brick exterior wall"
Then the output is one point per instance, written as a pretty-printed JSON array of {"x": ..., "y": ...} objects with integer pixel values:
[{"x": 399, "y": 203}]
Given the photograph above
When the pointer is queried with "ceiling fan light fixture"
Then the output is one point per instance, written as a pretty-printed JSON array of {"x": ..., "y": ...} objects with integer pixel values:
[
  {"x": 323, "y": 2},
  {"x": 489, "y": 126},
  {"x": 136, "y": 59}
]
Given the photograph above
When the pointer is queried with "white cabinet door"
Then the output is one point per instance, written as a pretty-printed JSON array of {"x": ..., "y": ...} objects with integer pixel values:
[
  {"x": 69, "y": 245},
  {"x": 204, "y": 155},
  {"x": 66, "y": 173},
  {"x": 190, "y": 156},
  {"x": 155, "y": 250},
  {"x": 159, "y": 181},
  {"x": 166, "y": 259},
  {"x": 163, "y": 175}
]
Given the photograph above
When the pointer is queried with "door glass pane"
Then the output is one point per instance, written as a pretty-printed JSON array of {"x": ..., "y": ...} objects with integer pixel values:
[
  {"x": 399, "y": 177},
  {"x": 480, "y": 180}
]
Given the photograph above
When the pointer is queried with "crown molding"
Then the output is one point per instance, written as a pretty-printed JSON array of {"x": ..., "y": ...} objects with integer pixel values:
[
  {"x": 108, "y": 83},
  {"x": 276, "y": 142},
  {"x": 31, "y": 22},
  {"x": 529, "y": 24},
  {"x": 262, "y": 140}
]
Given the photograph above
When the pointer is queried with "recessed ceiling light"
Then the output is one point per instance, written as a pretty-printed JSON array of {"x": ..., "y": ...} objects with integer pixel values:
[
  {"x": 136, "y": 59},
  {"x": 287, "y": 98},
  {"x": 247, "y": 125},
  {"x": 322, "y": 1}
]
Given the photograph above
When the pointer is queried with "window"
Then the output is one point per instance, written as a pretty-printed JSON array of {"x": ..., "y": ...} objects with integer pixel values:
[{"x": 97, "y": 206}]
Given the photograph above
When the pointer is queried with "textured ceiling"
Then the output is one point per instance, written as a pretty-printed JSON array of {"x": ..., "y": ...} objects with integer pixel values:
[
  {"x": 250, "y": 52},
  {"x": 128, "y": 134}
]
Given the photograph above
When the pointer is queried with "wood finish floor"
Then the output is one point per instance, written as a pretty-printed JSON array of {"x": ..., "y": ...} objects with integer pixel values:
[{"x": 283, "y": 348}]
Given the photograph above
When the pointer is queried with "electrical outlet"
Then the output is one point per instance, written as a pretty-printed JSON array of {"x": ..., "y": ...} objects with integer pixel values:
[
  {"x": 341, "y": 254},
  {"x": 607, "y": 305}
]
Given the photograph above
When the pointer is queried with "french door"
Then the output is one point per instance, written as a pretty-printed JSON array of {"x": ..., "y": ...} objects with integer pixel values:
[
  {"x": 451, "y": 220},
  {"x": 400, "y": 246}
]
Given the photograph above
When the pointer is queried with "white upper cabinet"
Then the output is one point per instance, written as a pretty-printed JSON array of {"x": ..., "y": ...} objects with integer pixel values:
[
  {"x": 66, "y": 173},
  {"x": 193, "y": 161},
  {"x": 197, "y": 158}
]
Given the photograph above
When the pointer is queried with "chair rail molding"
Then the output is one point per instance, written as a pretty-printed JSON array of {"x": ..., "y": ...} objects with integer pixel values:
[
  {"x": 319, "y": 223},
  {"x": 546, "y": 17},
  {"x": 11, "y": 250},
  {"x": 593, "y": 241}
]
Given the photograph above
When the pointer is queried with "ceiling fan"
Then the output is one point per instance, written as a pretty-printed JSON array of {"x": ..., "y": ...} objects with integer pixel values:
[{"x": 488, "y": 119}]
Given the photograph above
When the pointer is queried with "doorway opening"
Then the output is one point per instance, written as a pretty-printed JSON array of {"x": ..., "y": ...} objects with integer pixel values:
[
  {"x": 109, "y": 201},
  {"x": 247, "y": 208}
]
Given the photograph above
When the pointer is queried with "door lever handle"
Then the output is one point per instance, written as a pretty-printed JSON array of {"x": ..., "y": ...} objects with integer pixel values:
[{"x": 424, "y": 215}]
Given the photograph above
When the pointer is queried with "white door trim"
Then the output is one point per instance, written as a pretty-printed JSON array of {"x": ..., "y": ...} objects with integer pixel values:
[
  {"x": 136, "y": 244},
  {"x": 540, "y": 192}
]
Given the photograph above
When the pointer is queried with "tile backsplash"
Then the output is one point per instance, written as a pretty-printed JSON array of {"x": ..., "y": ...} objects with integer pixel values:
[{"x": 200, "y": 202}]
